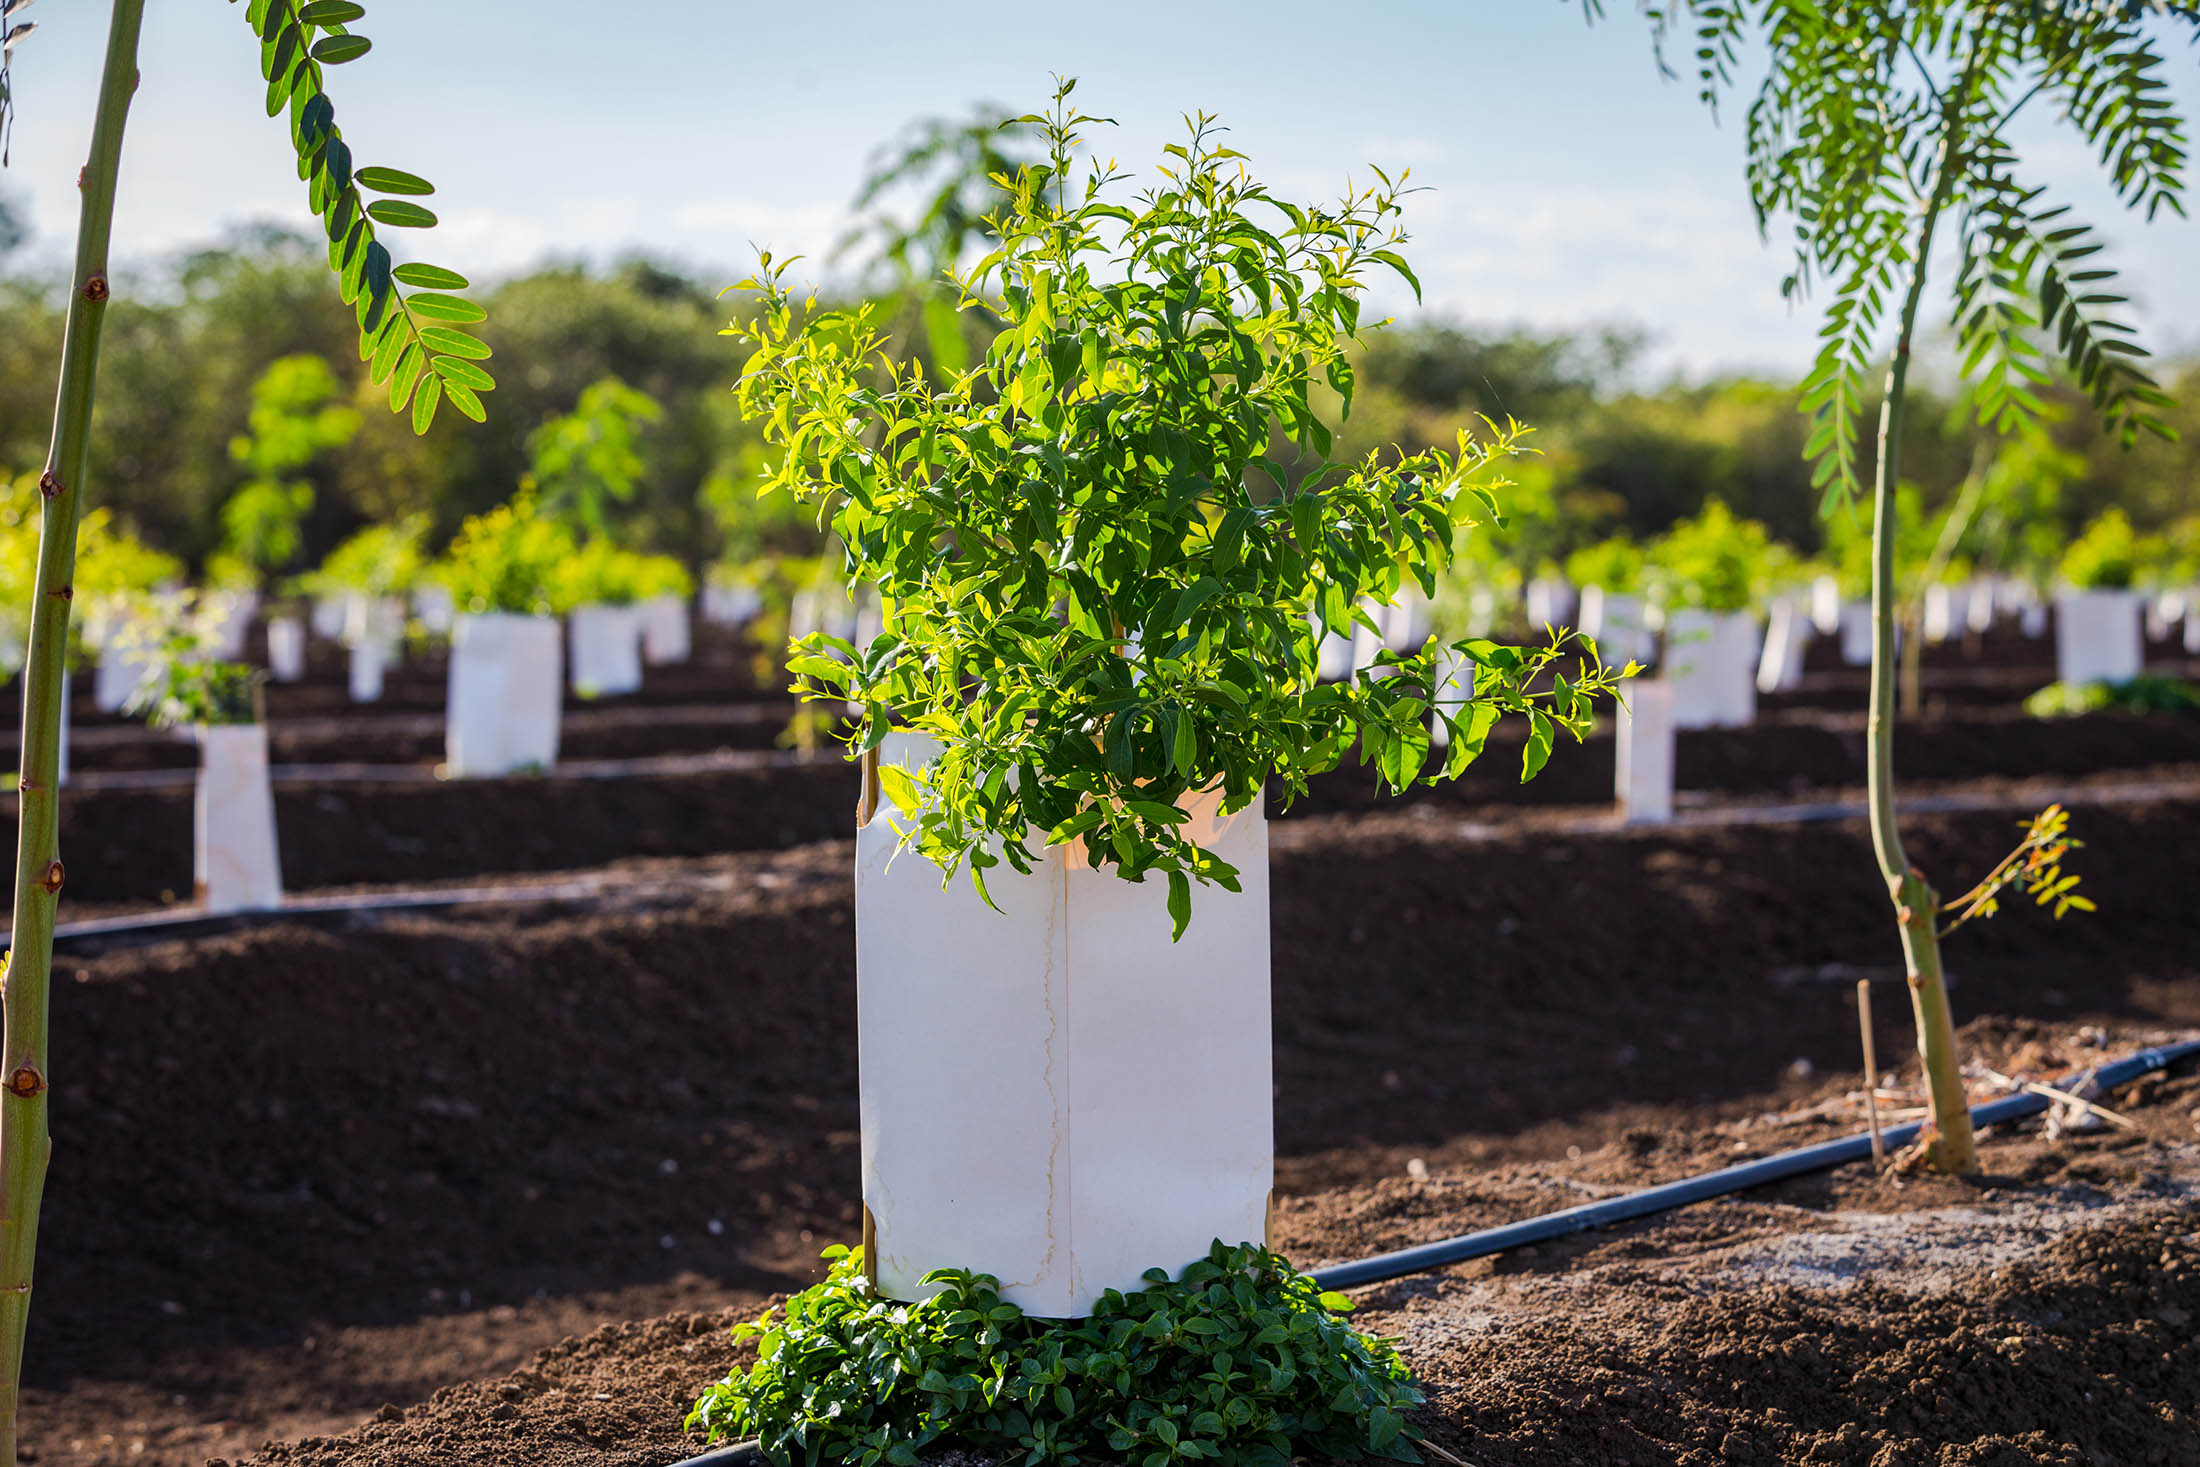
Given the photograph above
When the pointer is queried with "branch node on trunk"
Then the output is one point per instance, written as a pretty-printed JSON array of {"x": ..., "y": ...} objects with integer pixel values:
[
  {"x": 27, "y": 1081},
  {"x": 95, "y": 289},
  {"x": 66, "y": 593},
  {"x": 50, "y": 485},
  {"x": 53, "y": 878}
]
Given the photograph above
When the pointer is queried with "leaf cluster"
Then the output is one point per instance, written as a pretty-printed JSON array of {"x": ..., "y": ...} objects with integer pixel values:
[
  {"x": 2110, "y": 555},
  {"x": 1099, "y": 548},
  {"x": 2035, "y": 865},
  {"x": 1716, "y": 561},
  {"x": 1875, "y": 117},
  {"x": 509, "y": 559},
  {"x": 1241, "y": 1362},
  {"x": 598, "y": 572},
  {"x": 187, "y": 684},
  {"x": 410, "y": 338},
  {"x": 2145, "y": 694},
  {"x": 378, "y": 560}
]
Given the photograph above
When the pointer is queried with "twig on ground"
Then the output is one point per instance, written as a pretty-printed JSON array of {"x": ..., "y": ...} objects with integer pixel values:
[
  {"x": 1428, "y": 1445},
  {"x": 2038, "y": 1087}
]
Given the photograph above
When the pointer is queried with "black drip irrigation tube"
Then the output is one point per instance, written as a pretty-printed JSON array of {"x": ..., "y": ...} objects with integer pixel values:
[
  {"x": 1825, "y": 1154},
  {"x": 1649, "y": 1201}
]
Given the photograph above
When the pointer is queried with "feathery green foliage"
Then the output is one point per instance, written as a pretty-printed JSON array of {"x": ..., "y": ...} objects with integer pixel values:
[
  {"x": 410, "y": 339},
  {"x": 1874, "y": 113}
]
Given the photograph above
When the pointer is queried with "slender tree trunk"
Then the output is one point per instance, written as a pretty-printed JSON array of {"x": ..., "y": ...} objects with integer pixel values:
[
  {"x": 24, "y": 1140},
  {"x": 1917, "y": 907}
]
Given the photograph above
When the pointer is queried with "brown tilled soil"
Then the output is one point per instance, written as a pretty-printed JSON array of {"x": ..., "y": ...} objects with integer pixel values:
[
  {"x": 132, "y": 846},
  {"x": 2042, "y": 1313},
  {"x": 303, "y": 1172}
]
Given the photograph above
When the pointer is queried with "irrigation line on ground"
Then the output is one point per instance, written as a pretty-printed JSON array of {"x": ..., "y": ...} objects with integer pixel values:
[
  {"x": 1386, "y": 1266},
  {"x": 1747, "y": 1174}
]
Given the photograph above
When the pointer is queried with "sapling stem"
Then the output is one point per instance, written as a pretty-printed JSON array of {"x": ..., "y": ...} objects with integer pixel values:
[
  {"x": 1951, "y": 1147},
  {"x": 25, "y": 1142}
]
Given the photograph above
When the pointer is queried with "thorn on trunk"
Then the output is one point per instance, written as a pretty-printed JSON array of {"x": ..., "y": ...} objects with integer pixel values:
[
  {"x": 27, "y": 1081},
  {"x": 53, "y": 878}
]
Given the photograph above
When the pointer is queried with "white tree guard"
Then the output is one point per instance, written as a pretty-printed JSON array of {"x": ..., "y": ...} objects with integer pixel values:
[
  {"x": 665, "y": 637},
  {"x": 1787, "y": 638},
  {"x": 607, "y": 650},
  {"x": 501, "y": 714},
  {"x": 1643, "y": 752},
  {"x": 328, "y": 617},
  {"x": 229, "y": 619},
  {"x": 2097, "y": 637},
  {"x": 2032, "y": 620},
  {"x": 2164, "y": 610},
  {"x": 122, "y": 671},
  {"x": 368, "y": 660},
  {"x": 1947, "y": 611},
  {"x": 234, "y": 859},
  {"x": 1983, "y": 605},
  {"x": 1619, "y": 623},
  {"x": 1054, "y": 1093},
  {"x": 1711, "y": 661},
  {"x": 435, "y": 607},
  {"x": 1825, "y": 605},
  {"x": 286, "y": 648},
  {"x": 729, "y": 606},
  {"x": 2192, "y": 621},
  {"x": 1550, "y": 602},
  {"x": 1856, "y": 633}
]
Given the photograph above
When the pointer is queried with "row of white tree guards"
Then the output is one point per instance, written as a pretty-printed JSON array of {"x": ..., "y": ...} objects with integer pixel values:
[{"x": 502, "y": 713}]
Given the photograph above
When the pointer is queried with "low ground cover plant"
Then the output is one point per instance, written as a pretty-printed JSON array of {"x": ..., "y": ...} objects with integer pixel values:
[{"x": 1241, "y": 1362}]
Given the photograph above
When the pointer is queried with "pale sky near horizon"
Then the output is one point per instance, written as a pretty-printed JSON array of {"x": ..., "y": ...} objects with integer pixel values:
[{"x": 1570, "y": 184}]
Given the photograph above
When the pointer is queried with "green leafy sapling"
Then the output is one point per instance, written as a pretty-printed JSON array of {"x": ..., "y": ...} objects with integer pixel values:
[
  {"x": 410, "y": 337},
  {"x": 509, "y": 559},
  {"x": 1886, "y": 133},
  {"x": 295, "y": 420},
  {"x": 586, "y": 459},
  {"x": 1096, "y": 587}
]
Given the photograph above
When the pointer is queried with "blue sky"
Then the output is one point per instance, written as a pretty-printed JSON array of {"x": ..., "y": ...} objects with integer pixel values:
[{"x": 1570, "y": 183}]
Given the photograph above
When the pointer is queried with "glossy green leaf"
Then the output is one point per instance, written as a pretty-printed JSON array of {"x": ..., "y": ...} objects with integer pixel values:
[
  {"x": 456, "y": 343},
  {"x": 332, "y": 12},
  {"x": 465, "y": 373},
  {"x": 431, "y": 277},
  {"x": 336, "y": 50},
  {"x": 445, "y": 308},
  {"x": 425, "y": 399},
  {"x": 401, "y": 214},
  {"x": 393, "y": 181}
]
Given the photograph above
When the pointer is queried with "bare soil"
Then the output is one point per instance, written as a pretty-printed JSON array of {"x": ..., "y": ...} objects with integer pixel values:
[{"x": 302, "y": 1173}]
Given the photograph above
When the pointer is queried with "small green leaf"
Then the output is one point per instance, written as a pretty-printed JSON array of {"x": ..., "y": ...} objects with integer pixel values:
[
  {"x": 445, "y": 308},
  {"x": 464, "y": 373},
  {"x": 424, "y": 403},
  {"x": 462, "y": 397},
  {"x": 332, "y": 12},
  {"x": 456, "y": 343},
  {"x": 430, "y": 277},
  {"x": 402, "y": 215},
  {"x": 336, "y": 50},
  {"x": 394, "y": 181}
]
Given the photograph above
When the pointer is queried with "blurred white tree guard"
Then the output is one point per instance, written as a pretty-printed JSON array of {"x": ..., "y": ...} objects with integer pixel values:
[
  {"x": 234, "y": 862},
  {"x": 1856, "y": 633},
  {"x": 1787, "y": 638},
  {"x": 730, "y": 606},
  {"x": 1711, "y": 661},
  {"x": 373, "y": 626},
  {"x": 1550, "y": 602},
  {"x": 1054, "y": 1093},
  {"x": 501, "y": 714},
  {"x": 435, "y": 608},
  {"x": 607, "y": 650},
  {"x": 2097, "y": 637},
  {"x": 1642, "y": 752},
  {"x": 286, "y": 648},
  {"x": 1618, "y": 623},
  {"x": 1825, "y": 605},
  {"x": 665, "y": 633}
]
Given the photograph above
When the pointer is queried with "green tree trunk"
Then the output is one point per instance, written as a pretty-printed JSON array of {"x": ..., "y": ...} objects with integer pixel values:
[
  {"x": 24, "y": 1141},
  {"x": 1917, "y": 908}
]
